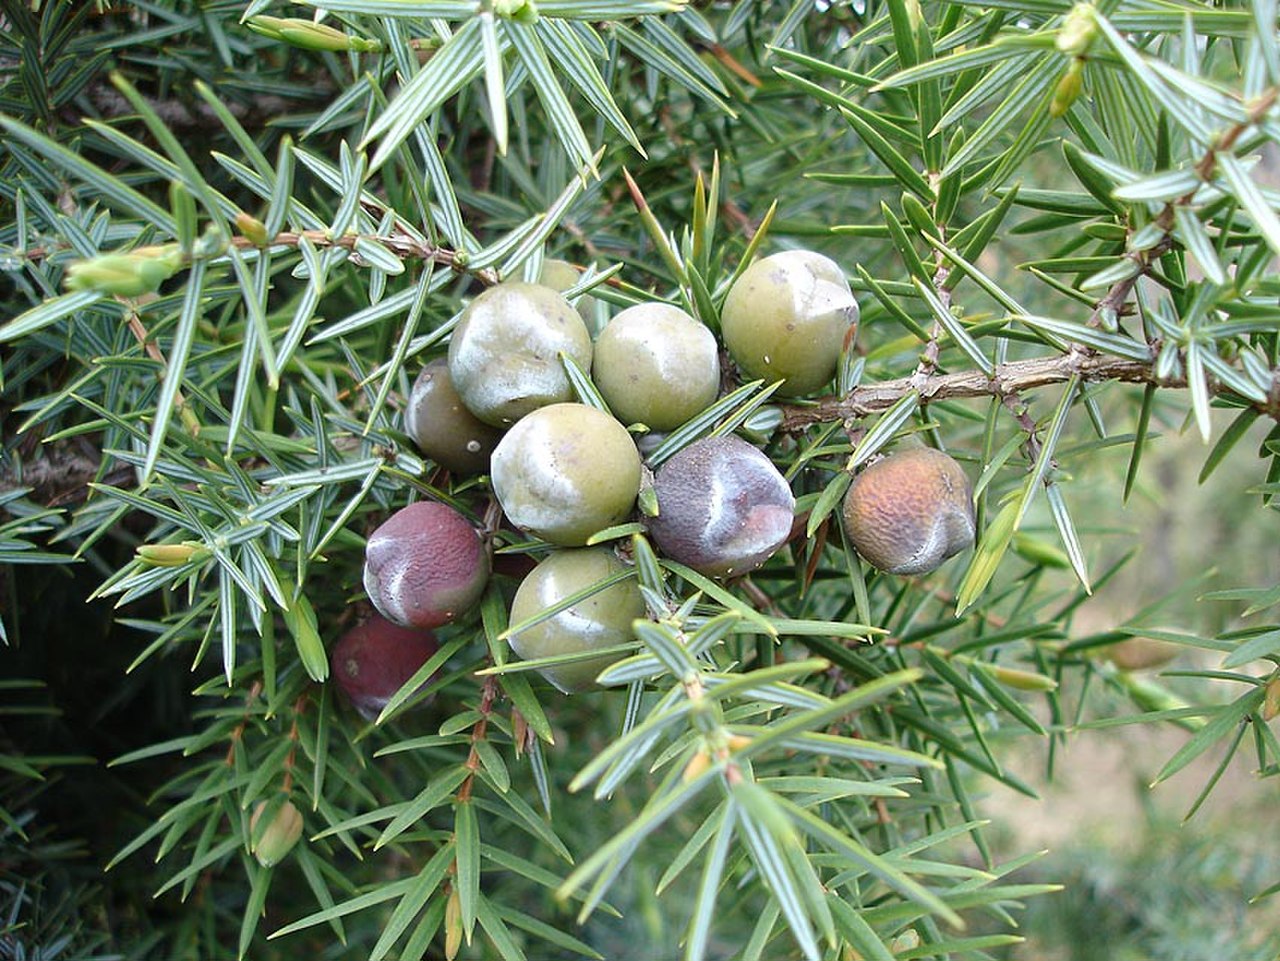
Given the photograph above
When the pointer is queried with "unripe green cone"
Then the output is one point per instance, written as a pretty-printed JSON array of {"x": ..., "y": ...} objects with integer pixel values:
[
  {"x": 566, "y": 471},
  {"x": 560, "y": 275},
  {"x": 504, "y": 355},
  {"x": 602, "y": 620},
  {"x": 787, "y": 318},
  {"x": 522, "y": 11},
  {"x": 656, "y": 365}
]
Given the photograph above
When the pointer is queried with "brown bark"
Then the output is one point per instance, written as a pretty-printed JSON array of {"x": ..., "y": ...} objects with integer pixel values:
[{"x": 1013, "y": 377}]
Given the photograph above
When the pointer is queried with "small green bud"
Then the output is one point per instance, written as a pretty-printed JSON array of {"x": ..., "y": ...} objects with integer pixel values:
[
  {"x": 170, "y": 555},
  {"x": 1141, "y": 653},
  {"x": 267, "y": 26},
  {"x": 1271, "y": 699},
  {"x": 908, "y": 940},
  {"x": 522, "y": 11},
  {"x": 697, "y": 766},
  {"x": 130, "y": 274},
  {"x": 1039, "y": 552},
  {"x": 1151, "y": 696},
  {"x": 271, "y": 840},
  {"x": 1068, "y": 89},
  {"x": 1079, "y": 27},
  {"x": 519, "y": 731},
  {"x": 211, "y": 243},
  {"x": 1023, "y": 680},
  {"x": 915, "y": 16},
  {"x": 452, "y": 925},
  {"x": 738, "y": 742},
  {"x": 309, "y": 35},
  {"x": 648, "y": 499},
  {"x": 252, "y": 229}
]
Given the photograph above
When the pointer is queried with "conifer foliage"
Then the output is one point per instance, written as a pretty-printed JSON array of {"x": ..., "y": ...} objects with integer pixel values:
[{"x": 800, "y": 623}]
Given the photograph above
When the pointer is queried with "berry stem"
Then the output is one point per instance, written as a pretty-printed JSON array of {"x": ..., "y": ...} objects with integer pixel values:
[{"x": 488, "y": 694}]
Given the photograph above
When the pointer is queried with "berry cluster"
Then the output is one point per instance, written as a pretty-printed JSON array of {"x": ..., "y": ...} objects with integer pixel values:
[{"x": 502, "y": 404}]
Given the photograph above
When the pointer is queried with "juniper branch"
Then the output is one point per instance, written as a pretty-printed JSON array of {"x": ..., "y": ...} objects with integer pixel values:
[{"x": 1011, "y": 377}]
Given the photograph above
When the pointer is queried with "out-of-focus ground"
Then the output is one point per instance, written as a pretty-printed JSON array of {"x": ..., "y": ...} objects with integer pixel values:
[{"x": 1099, "y": 819}]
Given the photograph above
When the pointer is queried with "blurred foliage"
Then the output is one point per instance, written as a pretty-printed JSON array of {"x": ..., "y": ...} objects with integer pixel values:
[{"x": 1121, "y": 904}]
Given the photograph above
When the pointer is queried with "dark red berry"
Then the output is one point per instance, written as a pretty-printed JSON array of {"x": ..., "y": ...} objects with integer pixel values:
[
  {"x": 374, "y": 660},
  {"x": 425, "y": 566}
]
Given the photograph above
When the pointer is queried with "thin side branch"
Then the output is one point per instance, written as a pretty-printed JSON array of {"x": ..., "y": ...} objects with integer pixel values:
[
  {"x": 402, "y": 245},
  {"x": 1016, "y": 375}
]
